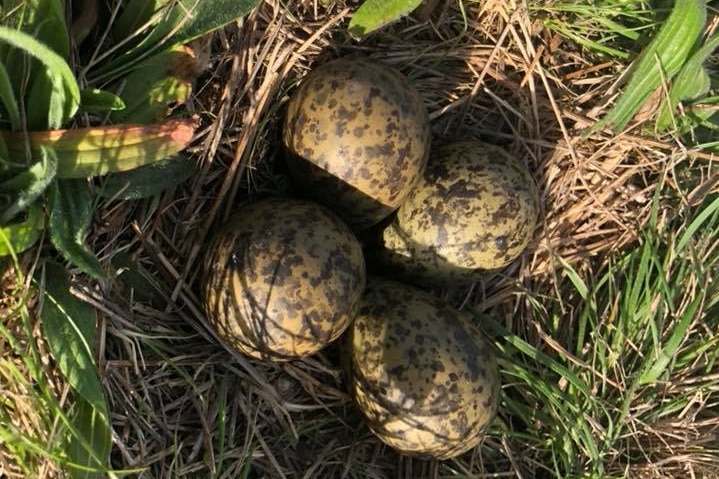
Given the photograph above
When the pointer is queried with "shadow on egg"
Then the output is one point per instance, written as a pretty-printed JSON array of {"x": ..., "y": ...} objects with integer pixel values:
[
  {"x": 358, "y": 209},
  {"x": 422, "y": 265},
  {"x": 283, "y": 279}
]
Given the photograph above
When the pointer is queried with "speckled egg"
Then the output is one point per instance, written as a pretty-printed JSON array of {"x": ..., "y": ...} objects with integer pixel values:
[
  {"x": 423, "y": 375},
  {"x": 282, "y": 279},
  {"x": 475, "y": 209},
  {"x": 357, "y": 138}
]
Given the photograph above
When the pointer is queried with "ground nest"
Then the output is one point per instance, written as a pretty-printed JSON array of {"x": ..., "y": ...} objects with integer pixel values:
[{"x": 184, "y": 406}]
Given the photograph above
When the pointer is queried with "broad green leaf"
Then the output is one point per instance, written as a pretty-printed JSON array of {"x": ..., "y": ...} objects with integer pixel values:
[
  {"x": 70, "y": 217},
  {"x": 156, "y": 83},
  {"x": 90, "y": 441},
  {"x": 95, "y": 151},
  {"x": 64, "y": 88},
  {"x": 70, "y": 330},
  {"x": 45, "y": 21},
  {"x": 17, "y": 237},
  {"x": 203, "y": 16},
  {"x": 692, "y": 82},
  {"x": 148, "y": 180},
  {"x": 94, "y": 100},
  {"x": 135, "y": 14},
  {"x": 27, "y": 186},
  {"x": 44, "y": 106},
  {"x": 7, "y": 96},
  {"x": 186, "y": 21},
  {"x": 661, "y": 59},
  {"x": 375, "y": 14}
]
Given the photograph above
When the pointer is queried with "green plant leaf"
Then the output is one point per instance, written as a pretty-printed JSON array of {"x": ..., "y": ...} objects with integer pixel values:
[
  {"x": 64, "y": 90},
  {"x": 134, "y": 15},
  {"x": 692, "y": 82},
  {"x": 95, "y": 151},
  {"x": 188, "y": 19},
  {"x": 94, "y": 100},
  {"x": 70, "y": 217},
  {"x": 157, "y": 82},
  {"x": 27, "y": 186},
  {"x": 375, "y": 14},
  {"x": 7, "y": 96},
  {"x": 17, "y": 237},
  {"x": 697, "y": 225},
  {"x": 90, "y": 442},
  {"x": 148, "y": 180},
  {"x": 45, "y": 21},
  {"x": 661, "y": 59},
  {"x": 203, "y": 16},
  {"x": 45, "y": 109},
  {"x": 70, "y": 330}
]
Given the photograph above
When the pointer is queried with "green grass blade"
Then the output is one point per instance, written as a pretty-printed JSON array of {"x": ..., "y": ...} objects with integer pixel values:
[
  {"x": 662, "y": 58},
  {"x": 578, "y": 283},
  {"x": 374, "y": 14},
  {"x": 528, "y": 350},
  {"x": 70, "y": 217},
  {"x": 696, "y": 225},
  {"x": 27, "y": 186},
  {"x": 7, "y": 96},
  {"x": 664, "y": 356},
  {"x": 64, "y": 88},
  {"x": 70, "y": 329}
]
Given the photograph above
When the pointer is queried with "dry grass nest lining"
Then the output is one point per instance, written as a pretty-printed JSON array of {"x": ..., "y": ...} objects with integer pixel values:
[{"x": 179, "y": 400}]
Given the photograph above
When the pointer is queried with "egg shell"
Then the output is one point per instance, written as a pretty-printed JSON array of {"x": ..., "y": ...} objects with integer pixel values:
[
  {"x": 282, "y": 279},
  {"x": 357, "y": 137},
  {"x": 474, "y": 210},
  {"x": 423, "y": 375}
]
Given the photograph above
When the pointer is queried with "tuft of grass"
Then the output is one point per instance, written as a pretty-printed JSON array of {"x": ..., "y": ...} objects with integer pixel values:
[
  {"x": 32, "y": 443},
  {"x": 626, "y": 377},
  {"x": 608, "y": 28}
]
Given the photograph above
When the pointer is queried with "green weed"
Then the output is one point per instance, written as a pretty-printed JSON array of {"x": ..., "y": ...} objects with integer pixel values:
[{"x": 635, "y": 352}]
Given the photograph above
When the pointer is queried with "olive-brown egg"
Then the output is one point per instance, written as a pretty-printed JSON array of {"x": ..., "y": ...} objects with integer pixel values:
[
  {"x": 357, "y": 137},
  {"x": 475, "y": 209},
  {"x": 282, "y": 279},
  {"x": 421, "y": 372}
]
